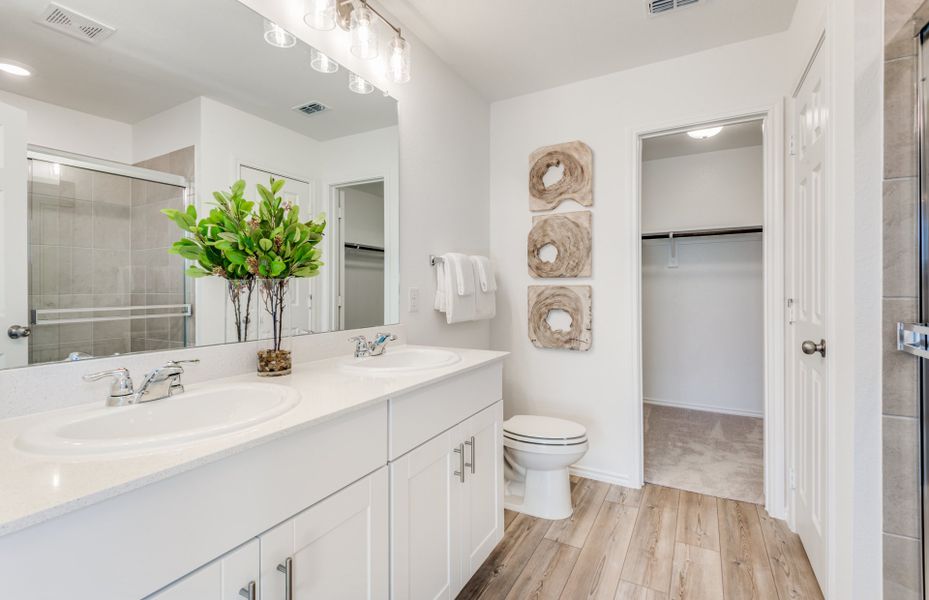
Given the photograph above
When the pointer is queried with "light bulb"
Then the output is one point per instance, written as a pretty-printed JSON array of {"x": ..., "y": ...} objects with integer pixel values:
[
  {"x": 359, "y": 85},
  {"x": 364, "y": 35},
  {"x": 398, "y": 65},
  {"x": 320, "y": 14},
  {"x": 702, "y": 134},
  {"x": 277, "y": 36},
  {"x": 321, "y": 62}
]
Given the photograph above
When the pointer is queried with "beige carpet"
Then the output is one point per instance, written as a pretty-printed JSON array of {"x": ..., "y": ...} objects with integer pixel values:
[{"x": 710, "y": 453}]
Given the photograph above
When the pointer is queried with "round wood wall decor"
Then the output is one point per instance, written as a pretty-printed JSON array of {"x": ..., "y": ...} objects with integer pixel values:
[
  {"x": 570, "y": 234},
  {"x": 576, "y": 182},
  {"x": 574, "y": 300}
]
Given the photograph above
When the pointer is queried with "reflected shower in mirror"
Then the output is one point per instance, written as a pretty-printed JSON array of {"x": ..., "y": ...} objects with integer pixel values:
[{"x": 162, "y": 122}]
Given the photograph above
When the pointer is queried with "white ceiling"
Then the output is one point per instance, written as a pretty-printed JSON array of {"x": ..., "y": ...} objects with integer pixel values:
[
  {"x": 739, "y": 135},
  {"x": 166, "y": 52},
  {"x": 506, "y": 48}
]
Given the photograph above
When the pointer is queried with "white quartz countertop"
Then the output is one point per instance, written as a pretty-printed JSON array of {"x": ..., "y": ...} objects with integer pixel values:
[{"x": 36, "y": 488}]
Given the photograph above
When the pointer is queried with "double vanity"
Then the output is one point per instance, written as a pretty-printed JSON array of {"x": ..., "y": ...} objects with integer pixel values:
[{"x": 377, "y": 477}]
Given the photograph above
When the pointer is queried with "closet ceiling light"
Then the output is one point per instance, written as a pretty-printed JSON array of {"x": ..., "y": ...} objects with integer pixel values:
[
  {"x": 703, "y": 134},
  {"x": 14, "y": 68},
  {"x": 320, "y": 14},
  {"x": 277, "y": 36}
]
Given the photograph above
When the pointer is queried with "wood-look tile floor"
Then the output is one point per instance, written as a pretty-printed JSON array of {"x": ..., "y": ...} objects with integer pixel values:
[{"x": 657, "y": 543}]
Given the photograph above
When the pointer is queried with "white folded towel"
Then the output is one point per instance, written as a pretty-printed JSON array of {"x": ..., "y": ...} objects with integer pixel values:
[
  {"x": 485, "y": 273},
  {"x": 459, "y": 267},
  {"x": 485, "y": 302},
  {"x": 440, "y": 290},
  {"x": 458, "y": 307}
]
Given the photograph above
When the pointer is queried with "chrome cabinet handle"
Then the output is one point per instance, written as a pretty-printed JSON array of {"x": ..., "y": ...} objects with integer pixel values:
[
  {"x": 811, "y": 347},
  {"x": 473, "y": 460},
  {"x": 249, "y": 592},
  {"x": 287, "y": 568},
  {"x": 460, "y": 473},
  {"x": 16, "y": 332}
]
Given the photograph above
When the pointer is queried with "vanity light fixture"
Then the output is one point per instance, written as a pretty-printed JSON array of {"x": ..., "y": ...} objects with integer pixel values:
[
  {"x": 17, "y": 69},
  {"x": 364, "y": 35},
  {"x": 277, "y": 36},
  {"x": 398, "y": 63},
  {"x": 320, "y": 15},
  {"x": 359, "y": 84},
  {"x": 321, "y": 62},
  {"x": 703, "y": 134}
]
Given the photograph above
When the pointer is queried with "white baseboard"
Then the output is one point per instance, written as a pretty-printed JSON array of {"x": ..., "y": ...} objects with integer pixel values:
[
  {"x": 706, "y": 408},
  {"x": 600, "y": 475}
]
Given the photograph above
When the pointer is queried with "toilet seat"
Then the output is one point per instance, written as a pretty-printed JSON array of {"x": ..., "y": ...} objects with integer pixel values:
[{"x": 543, "y": 431}]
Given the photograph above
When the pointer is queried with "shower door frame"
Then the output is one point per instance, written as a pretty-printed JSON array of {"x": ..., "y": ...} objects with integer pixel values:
[{"x": 70, "y": 159}]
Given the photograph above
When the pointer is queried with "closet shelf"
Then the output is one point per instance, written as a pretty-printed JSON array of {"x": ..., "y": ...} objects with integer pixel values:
[{"x": 657, "y": 235}]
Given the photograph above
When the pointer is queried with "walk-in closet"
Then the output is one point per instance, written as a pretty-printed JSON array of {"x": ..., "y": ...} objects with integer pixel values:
[{"x": 702, "y": 209}]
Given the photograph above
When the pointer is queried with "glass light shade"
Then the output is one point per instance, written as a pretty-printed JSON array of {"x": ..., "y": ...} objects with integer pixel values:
[
  {"x": 320, "y": 14},
  {"x": 364, "y": 35},
  {"x": 277, "y": 36},
  {"x": 702, "y": 134},
  {"x": 359, "y": 85},
  {"x": 321, "y": 62},
  {"x": 398, "y": 64}
]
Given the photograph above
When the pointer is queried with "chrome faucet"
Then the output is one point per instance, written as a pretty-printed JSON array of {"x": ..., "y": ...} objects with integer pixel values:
[
  {"x": 365, "y": 348},
  {"x": 160, "y": 382}
]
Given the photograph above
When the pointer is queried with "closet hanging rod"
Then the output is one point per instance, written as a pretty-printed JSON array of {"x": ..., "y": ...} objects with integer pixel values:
[
  {"x": 701, "y": 232},
  {"x": 369, "y": 248}
]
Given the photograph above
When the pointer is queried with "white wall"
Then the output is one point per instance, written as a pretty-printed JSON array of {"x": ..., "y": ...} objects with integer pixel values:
[
  {"x": 702, "y": 324},
  {"x": 170, "y": 130},
  {"x": 364, "y": 217},
  {"x": 705, "y": 190},
  {"x": 443, "y": 169},
  {"x": 70, "y": 130},
  {"x": 596, "y": 387}
]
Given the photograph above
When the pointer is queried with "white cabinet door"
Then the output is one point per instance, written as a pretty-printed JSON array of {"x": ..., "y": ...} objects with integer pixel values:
[
  {"x": 222, "y": 579},
  {"x": 482, "y": 494},
  {"x": 14, "y": 223},
  {"x": 336, "y": 549},
  {"x": 425, "y": 517},
  {"x": 447, "y": 508}
]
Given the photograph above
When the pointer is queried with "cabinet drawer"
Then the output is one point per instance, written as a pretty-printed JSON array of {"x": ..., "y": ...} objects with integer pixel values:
[{"x": 422, "y": 414}]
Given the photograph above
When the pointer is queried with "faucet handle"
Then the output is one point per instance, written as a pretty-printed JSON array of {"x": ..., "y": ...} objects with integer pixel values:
[
  {"x": 122, "y": 382},
  {"x": 178, "y": 363},
  {"x": 385, "y": 337},
  {"x": 359, "y": 340}
]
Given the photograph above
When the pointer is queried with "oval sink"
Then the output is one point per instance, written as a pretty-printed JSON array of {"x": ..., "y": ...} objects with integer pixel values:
[
  {"x": 159, "y": 424},
  {"x": 401, "y": 361}
]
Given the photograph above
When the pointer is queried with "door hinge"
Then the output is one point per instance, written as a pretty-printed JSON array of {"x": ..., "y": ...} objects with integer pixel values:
[
  {"x": 792, "y": 478},
  {"x": 792, "y": 146},
  {"x": 339, "y": 304},
  {"x": 790, "y": 311}
]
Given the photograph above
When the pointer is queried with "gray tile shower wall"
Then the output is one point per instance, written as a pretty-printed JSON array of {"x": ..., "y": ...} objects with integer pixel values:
[
  {"x": 158, "y": 277},
  {"x": 902, "y": 530}
]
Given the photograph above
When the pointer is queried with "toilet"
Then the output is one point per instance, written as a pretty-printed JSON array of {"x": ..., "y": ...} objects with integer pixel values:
[{"x": 537, "y": 452}]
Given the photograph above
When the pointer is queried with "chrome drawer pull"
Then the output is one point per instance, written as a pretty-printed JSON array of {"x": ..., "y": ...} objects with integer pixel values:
[
  {"x": 473, "y": 462},
  {"x": 460, "y": 473},
  {"x": 287, "y": 568},
  {"x": 249, "y": 591}
]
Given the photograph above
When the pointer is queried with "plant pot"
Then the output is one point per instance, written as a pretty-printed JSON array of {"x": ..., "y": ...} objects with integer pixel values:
[
  {"x": 275, "y": 358},
  {"x": 241, "y": 324}
]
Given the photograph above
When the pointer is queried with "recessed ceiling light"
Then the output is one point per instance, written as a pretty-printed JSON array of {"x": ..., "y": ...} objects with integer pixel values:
[
  {"x": 702, "y": 134},
  {"x": 17, "y": 69}
]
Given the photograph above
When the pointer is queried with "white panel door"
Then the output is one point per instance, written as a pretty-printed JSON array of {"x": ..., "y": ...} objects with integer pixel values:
[
  {"x": 807, "y": 277},
  {"x": 482, "y": 499},
  {"x": 425, "y": 519},
  {"x": 232, "y": 577},
  {"x": 337, "y": 549},
  {"x": 298, "y": 193},
  {"x": 14, "y": 216}
]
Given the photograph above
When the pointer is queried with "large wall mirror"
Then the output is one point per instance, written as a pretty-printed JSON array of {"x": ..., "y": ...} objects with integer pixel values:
[{"x": 132, "y": 107}]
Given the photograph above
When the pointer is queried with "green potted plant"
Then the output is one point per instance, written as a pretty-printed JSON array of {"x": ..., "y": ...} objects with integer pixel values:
[
  {"x": 208, "y": 246},
  {"x": 278, "y": 249}
]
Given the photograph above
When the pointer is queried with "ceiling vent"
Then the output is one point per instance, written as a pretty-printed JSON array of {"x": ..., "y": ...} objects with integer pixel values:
[
  {"x": 311, "y": 108},
  {"x": 657, "y": 7},
  {"x": 74, "y": 24}
]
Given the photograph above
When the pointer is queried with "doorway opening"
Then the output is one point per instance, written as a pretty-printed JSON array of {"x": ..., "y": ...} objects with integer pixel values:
[{"x": 708, "y": 281}]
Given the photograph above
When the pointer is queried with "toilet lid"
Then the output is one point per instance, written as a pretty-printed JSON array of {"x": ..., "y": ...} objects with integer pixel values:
[{"x": 539, "y": 429}]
